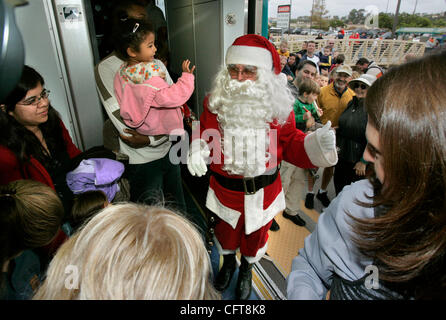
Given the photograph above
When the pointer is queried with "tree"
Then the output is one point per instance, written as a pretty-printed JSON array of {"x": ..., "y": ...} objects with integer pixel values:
[
  {"x": 318, "y": 14},
  {"x": 356, "y": 16},
  {"x": 385, "y": 20},
  {"x": 335, "y": 23},
  {"x": 413, "y": 20},
  {"x": 439, "y": 23}
]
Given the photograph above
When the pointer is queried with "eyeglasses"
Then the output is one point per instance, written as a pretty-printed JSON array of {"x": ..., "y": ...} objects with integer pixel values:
[
  {"x": 35, "y": 100},
  {"x": 359, "y": 85},
  {"x": 247, "y": 72}
]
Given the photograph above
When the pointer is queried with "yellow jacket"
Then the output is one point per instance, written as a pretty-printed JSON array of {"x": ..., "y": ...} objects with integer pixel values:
[
  {"x": 333, "y": 105},
  {"x": 286, "y": 53}
]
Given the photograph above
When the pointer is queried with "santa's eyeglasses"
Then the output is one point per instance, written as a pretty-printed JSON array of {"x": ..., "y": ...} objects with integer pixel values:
[{"x": 246, "y": 72}]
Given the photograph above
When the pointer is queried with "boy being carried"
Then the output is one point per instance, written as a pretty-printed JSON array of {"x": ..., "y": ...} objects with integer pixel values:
[{"x": 307, "y": 115}]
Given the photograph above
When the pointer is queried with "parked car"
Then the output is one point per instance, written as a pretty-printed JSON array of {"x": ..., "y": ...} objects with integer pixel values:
[
  {"x": 297, "y": 31},
  {"x": 275, "y": 31},
  {"x": 387, "y": 35}
]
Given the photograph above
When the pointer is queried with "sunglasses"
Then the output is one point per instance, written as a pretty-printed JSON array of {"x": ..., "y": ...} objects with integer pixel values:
[{"x": 359, "y": 85}]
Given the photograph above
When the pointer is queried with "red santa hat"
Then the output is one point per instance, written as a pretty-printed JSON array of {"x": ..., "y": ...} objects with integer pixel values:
[{"x": 254, "y": 50}]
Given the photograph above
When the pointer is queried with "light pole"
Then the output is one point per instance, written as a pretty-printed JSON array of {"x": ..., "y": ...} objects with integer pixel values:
[
  {"x": 414, "y": 9},
  {"x": 395, "y": 19},
  {"x": 311, "y": 17}
]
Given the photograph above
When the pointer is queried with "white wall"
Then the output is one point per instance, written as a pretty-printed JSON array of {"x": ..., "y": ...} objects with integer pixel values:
[
  {"x": 40, "y": 53},
  {"x": 239, "y": 9},
  {"x": 61, "y": 51}
]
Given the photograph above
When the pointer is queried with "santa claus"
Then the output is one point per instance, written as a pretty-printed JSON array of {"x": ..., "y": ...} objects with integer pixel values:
[{"x": 247, "y": 127}]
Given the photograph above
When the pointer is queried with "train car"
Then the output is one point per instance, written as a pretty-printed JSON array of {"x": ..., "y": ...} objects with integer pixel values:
[{"x": 64, "y": 40}]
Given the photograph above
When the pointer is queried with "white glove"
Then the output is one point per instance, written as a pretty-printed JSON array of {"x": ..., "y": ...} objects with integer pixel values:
[
  {"x": 326, "y": 137},
  {"x": 197, "y": 157}
]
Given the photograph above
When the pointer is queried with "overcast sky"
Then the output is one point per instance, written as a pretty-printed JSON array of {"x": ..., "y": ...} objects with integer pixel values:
[{"x": 343, "y": 7}]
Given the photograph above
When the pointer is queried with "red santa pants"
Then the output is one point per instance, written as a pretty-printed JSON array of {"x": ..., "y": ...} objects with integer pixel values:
[{"x": 232, "y": 239}]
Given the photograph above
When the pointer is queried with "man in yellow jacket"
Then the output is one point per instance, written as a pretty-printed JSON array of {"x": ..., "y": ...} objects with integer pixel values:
[{"x": 333, "y": 100}]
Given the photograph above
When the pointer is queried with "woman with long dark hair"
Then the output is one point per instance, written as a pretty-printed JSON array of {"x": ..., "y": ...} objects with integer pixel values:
[
  {"x": 384, "y": 238},
  {"x": 34, "y": 143}
]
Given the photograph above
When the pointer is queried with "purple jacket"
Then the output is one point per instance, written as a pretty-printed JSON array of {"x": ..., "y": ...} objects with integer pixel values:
[{"x": 96, "y": 174}]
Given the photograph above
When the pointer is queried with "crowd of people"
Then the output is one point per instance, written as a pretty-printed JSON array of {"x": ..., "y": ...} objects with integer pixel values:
[
  {"x": 338, "y": 92},
  {"x": 70, "y": 230}
]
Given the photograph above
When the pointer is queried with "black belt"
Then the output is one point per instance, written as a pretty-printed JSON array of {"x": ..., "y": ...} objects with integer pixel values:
[{"x": 246, "y": 185}]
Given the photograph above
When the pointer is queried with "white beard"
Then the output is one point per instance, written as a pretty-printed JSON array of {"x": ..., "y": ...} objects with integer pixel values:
[{"x": 244, "y": 111}]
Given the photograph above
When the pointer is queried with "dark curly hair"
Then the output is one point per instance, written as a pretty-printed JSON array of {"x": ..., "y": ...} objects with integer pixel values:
[{"x": 130, "y": 33}]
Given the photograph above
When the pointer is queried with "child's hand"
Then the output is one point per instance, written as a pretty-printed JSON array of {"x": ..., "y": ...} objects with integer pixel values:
[
  {"x": 310, "y": 122},
  {"x": 185, "y": 66},
  {"x": 307, "y": 115}
]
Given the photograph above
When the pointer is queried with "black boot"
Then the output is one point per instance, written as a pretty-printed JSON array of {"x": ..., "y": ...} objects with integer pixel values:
[
  {"x": 244, "y": 281},
  {"x": 226, "y": 272},
  {"x": 274, "y": 226}
]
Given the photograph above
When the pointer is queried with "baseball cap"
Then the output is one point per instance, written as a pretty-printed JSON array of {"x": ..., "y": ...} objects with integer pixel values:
[
  {"x": 345, "y": 69},
  {"x": 368, "y": 79}
]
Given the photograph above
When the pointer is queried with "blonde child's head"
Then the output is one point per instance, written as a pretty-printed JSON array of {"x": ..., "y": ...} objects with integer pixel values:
[
  {"x": 283, "y": 46},
  {"x": 322, "y": 80},
  {"x": 132, "y": 251},
  {"x": 31, "y": 215},
  {"x": 327, "y": 50}
]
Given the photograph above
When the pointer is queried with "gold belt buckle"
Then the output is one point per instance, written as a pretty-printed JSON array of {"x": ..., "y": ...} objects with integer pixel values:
[{"x": 245, "y": 188}]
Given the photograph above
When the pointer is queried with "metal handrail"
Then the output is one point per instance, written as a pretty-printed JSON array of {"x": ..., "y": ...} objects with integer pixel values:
[{"x": 384, "y": 52}]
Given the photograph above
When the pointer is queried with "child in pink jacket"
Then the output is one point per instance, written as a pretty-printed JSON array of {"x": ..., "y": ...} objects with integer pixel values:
[{"x": 147, "y": 102}]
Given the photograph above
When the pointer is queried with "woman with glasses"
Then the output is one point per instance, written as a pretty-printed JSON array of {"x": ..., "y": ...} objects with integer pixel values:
[
  {"x": 34, "y": 143},
  {"x": 350, "y": 136}
]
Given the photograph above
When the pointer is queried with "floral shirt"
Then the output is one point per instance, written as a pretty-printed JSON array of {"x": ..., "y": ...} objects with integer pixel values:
[{"x": 140, "y": 72}]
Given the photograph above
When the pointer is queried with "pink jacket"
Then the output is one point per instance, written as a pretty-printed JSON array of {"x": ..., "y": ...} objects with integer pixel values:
[{"x": 153, "y": 107}]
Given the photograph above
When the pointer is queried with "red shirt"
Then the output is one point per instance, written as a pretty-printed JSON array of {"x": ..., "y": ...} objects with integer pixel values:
[{"x": 33, "y": 170}]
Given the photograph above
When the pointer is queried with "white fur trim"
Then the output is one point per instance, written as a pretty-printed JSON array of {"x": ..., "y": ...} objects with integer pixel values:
[
  {"x": 254, "y": 208},
  {"x": 254, "y": 211},
  {"x": 254, "y": 56},
  {"x": 315, "y": 153},
  {"x": 255, "y": 216},
  {"x": 228, "y": 215},
  {"x": 260, "y": 253},
  {"x": 220, "y": 250}
]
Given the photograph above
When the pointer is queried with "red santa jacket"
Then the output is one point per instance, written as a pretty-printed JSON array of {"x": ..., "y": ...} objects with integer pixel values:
[{"x": 261, "y": 207}]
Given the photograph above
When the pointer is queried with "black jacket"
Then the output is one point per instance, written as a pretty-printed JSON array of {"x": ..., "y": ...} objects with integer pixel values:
[{"x": 350, "y": 136}]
